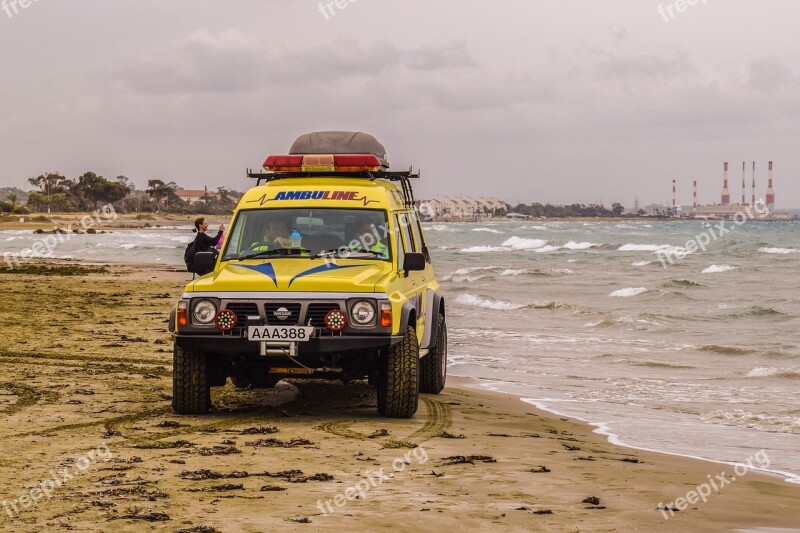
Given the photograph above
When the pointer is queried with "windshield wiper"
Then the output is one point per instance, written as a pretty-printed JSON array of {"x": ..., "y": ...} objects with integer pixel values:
[
  {"x": 276, "y": 251},
  {"x": 351, "y": 253}
]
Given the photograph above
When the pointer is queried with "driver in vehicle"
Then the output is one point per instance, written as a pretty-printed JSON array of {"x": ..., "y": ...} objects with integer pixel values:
[
  {"x": 366, "y": 238},
  {"x": 277, "y": 234}
]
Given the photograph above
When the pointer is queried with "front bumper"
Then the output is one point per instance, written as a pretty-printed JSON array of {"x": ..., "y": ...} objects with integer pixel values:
[{"x": 236, "y": 345}]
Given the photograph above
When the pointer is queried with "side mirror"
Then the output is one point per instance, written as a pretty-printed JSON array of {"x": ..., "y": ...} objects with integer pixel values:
[
  {"x": 414, "y": 261},
  {"x": 204, "y": 262}
]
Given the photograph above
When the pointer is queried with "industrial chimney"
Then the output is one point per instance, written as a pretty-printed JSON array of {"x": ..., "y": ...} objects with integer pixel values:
[
  {"x": 694, "y": 203},
  {"x": 726, "y": 194},
  {"x": 770, "y": 191},
  {"x": 753, "y": 187},
  {"x": 744, "y": 186},
  {"x": 674, "y": 202}
]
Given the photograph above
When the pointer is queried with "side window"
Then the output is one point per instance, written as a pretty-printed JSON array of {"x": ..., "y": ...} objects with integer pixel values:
[
  {"x": 401, "y": 247},
  {"x": 416, "y": 229},
  {"x": 405, "y": 227}
]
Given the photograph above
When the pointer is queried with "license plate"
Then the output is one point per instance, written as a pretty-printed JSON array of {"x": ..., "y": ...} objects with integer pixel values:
[{"x": 280, "y": 333}]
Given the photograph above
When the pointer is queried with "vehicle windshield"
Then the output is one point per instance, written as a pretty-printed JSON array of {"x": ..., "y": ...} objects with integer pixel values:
[{"x": 304, "y": 233}]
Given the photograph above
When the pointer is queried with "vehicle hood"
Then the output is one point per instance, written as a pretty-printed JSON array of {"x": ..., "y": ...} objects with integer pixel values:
[{"x": 295, "y": 275}]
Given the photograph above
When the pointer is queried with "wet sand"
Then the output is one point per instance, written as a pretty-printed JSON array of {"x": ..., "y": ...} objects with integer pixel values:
[{"x": 85, "y": 366}]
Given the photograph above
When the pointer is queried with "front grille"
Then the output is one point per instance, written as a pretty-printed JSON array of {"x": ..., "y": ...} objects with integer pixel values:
[
  {"x": 316, "y": 312},
  {"x": 293, "y": 308},
  {"x": 243, "y": 310}
]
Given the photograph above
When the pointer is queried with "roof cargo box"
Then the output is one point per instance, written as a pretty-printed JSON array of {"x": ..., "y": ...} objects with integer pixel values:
[{"x": 339, "y": 142}]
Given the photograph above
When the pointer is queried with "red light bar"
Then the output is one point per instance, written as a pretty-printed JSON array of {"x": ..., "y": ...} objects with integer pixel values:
[
  {"x": 323, "y": 163},
  {"x": 356, "y": 163},
  {"x": 284, "y": 163}
]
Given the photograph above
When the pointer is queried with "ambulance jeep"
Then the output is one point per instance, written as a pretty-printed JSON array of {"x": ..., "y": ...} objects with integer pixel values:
[{"x": 324, "y": 274}]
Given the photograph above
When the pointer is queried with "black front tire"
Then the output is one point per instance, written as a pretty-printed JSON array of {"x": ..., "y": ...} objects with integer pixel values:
[
  {"x": 191, "y": 389},
  {"x": 433, "y": 367},
  {"x": 398, "y": 385}
]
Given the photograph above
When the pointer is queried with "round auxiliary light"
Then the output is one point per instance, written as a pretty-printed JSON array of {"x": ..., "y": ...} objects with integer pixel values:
[
  {"x": 203, "y": 312},
  {"x": 226, "y": 320},
  {"x": 362, "y": 313},
  {"x": 336, "y": 320}
]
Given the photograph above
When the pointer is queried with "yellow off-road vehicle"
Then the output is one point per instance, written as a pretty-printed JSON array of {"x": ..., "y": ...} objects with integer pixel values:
[{"x": 324, "y": 273}]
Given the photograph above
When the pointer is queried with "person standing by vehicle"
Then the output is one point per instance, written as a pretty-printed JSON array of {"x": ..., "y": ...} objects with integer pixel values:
[{"x": 203, "y": 242}]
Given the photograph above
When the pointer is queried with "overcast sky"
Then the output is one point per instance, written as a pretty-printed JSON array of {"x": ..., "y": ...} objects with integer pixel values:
[{"x": 551, "y": 101}]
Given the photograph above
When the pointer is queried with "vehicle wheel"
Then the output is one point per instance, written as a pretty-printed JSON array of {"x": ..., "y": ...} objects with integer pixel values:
[
  {"x": 191, "y": 391},
  {"x": 398, "y": 386},
  {"x": 433, "y": 367}
]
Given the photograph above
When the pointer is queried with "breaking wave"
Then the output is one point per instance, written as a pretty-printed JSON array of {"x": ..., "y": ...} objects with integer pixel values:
[
  {"x": 714, "y": 269},
  {"x": 725, "y": 350},
  {"x": 630, "y": 291},
  {"x": 519, "y": 243},
  {"x": 504, "y": 305},
  {"x": 767, "y": 372},
  {"x": 761, "y": 422},
  {"x": 781, "y": 251}
]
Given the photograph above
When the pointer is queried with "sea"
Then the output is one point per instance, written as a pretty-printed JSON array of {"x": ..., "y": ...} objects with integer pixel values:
[{"x": 696, "y": 354}]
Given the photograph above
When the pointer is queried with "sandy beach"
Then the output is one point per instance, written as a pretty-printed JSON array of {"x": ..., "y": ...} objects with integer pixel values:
[{"x": 85, "y": 395}]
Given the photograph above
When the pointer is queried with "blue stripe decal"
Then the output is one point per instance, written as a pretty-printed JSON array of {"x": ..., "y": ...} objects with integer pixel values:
[
  {"x": 264, "y": 268},
  {"x": 322, "y": 268}
]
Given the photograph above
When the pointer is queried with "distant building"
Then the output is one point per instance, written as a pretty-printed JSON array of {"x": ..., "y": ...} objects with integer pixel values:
[
  {"x": 460, "y": 208},
  {"x": 192, "y": 196}
]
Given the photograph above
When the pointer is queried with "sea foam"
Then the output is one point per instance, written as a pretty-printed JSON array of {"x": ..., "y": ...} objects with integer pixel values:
[
  {"x": 713, "y": 269},
  {"x": 781, "y": 251},
  {"x": 477, "y": 301},
  {"x": 519, "y": 243},
  {"x": 630, "y": 291}
]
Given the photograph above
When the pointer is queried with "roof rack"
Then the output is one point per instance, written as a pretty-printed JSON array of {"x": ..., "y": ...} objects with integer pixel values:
[{"x": 402, "y": 176}]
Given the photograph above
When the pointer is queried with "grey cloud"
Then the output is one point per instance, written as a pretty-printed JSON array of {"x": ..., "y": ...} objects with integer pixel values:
[
  {"x": 768, "y": 74},
  {"x": 229, "y": 62},
  {"x": 649, "y": 66}
]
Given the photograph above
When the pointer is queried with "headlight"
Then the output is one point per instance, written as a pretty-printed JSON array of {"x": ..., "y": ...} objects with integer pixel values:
[
  {"x": 362, "y": 313},
  {"x": 204, "y": 312}
]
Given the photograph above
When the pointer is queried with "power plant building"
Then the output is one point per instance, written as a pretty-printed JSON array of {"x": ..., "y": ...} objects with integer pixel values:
[{"x": 726, "y": 209}]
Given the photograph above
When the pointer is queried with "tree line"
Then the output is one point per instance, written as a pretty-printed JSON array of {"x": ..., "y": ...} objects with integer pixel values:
[
  {"x": 55, "y": 192},
  {"x": 565, "y": 211}
]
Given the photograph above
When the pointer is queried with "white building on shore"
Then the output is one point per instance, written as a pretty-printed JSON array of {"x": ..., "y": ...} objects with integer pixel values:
[{"x": 462, "y": 208}]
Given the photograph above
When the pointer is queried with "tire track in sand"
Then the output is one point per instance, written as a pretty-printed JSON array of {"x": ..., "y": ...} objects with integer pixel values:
[{"x": 439, "y": 417}]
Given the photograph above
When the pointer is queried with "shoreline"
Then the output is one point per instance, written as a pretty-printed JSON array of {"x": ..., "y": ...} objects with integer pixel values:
[{"x": 615, "y": 440}]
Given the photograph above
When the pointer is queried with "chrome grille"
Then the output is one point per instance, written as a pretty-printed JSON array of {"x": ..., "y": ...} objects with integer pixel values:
[{"x": 272, "y": 319}]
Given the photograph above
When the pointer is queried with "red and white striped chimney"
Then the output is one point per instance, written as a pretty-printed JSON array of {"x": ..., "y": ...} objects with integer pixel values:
[
  {"x": 726, "y": 194},
  {"x": 744, "y": 186},
  {"x": 694, "y": 203},
  {"x": 753, "y": 186},
  {"x": 770, "y": 191},
  {"x": 674, "y": 202}
]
